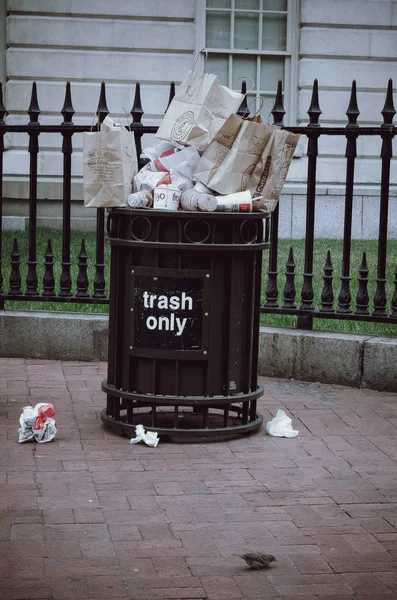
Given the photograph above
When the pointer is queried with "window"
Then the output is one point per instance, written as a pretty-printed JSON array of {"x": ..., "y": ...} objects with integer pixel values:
[{"x": 253, "y": 39}]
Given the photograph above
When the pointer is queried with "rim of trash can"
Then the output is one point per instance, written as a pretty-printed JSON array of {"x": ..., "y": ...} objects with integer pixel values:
[{"x": 188, "y": 214}]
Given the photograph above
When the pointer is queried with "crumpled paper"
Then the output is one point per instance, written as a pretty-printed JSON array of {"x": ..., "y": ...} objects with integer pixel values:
[
  {"x": 174, "y": 157},
  {"x": 281, "y": 426},
  {"x": 151, "y": 438},
  {"x": 37, "y": 424}
]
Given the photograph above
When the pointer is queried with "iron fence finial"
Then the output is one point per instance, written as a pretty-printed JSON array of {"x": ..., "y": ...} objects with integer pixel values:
[
  {"x": 172, "y": 94},
  {"x": 243, "y": 110},
  {"x": 34, "y": 110},
  {"x": 352, "y": 110},
  {"x": 102, "y": 110},
  {"x": 137, "y": 111},
  {"x": 388, "y": 111},
  {"x": 314, "y": 111},
  {"x": 278, "y": 111},
  {"x": 67, "y": 110}
]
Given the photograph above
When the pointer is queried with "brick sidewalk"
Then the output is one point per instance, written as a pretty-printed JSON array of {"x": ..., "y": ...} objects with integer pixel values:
[{"x": 90, "y": 517}]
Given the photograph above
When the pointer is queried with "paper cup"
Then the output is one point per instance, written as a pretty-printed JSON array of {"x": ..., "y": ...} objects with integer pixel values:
[
  {"x": 239, "y": 202},
  {"x": 166, "y": 197}
]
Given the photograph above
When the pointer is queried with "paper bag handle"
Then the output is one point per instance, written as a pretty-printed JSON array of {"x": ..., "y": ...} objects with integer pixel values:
[
  {"x": 98, "y": 130},
  {"x": 131, "y": 137},
  {"x": 194, "y": 68},
  {"x": 245, "y": 77},
  {"x": 263, "y": 103}
]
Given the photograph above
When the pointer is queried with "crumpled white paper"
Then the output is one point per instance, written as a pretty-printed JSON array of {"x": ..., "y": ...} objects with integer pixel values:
[
  {"x": 151, "y": 438},
  {"x": 183, "y": 161},
  {"x": 36, "y": 425},
  {"x": 281, "y": 426}
]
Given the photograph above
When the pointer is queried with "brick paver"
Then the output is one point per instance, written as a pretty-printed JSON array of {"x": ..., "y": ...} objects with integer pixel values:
[{"x": 89, "y": 516}]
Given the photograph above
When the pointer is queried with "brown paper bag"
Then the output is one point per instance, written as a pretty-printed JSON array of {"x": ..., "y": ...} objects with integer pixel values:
[
  {"x": 199, "y": 108},
  {"x": 268, "y": 177},
  {"x": 246, "y": 155},
  {"x": 227, "y": 163},
  {"x": 109, "y": 165}
]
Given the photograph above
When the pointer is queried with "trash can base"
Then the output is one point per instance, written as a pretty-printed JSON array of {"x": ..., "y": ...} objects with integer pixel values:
[
  {"x": 183, "y": 419},
  {"x": 185, "y": 435}
]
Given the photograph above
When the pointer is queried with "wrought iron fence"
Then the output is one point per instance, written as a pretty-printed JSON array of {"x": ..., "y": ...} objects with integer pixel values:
[
  {"x": 307, "y": 310},
  {"x": 49, "y": 291},
  {"x": 285, "y": 303}
]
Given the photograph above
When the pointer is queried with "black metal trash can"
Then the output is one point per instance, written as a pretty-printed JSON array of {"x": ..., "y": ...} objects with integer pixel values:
[{"x": 184, "y": 323}]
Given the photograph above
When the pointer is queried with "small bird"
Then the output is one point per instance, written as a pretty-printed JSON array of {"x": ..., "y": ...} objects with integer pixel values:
[{"x": 257, "y": 560}]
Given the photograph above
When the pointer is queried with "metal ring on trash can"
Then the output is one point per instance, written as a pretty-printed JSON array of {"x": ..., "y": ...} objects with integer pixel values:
[
  {"x": 248, "y": 231},
  {"x": 196, "y": 225},
  {"x": 141, "y": 228}
]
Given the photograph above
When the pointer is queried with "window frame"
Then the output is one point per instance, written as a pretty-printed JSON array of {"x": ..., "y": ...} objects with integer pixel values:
[{"x": 290, "y": 54}]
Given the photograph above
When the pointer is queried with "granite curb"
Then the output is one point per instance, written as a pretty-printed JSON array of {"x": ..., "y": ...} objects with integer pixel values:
[{"x": 326, "y": 357}]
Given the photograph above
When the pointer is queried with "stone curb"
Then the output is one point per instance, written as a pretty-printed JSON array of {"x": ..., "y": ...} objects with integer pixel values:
[
  {"x": 326, "y": 357},
  {"x": 329, "y": 357}
]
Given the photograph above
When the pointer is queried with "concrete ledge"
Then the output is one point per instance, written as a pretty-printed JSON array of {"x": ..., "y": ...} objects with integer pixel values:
[
  {"x": 339, "y": 358},
  {"x": 380, "y": 364},
  {"x": 311, "y": 355},
  {"x": 353, "y": 360},
  {"x": 56, "y": 336}
]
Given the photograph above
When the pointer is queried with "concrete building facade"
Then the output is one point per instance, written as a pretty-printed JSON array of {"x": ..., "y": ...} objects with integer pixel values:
[{"x": 157, "y": 41}]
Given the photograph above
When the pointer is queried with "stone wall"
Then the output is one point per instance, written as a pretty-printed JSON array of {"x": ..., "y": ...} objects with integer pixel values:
[{"x": 124, "y": 41}]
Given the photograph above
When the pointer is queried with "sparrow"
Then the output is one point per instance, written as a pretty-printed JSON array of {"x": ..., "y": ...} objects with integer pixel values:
[{"x": 257, "y": 560}]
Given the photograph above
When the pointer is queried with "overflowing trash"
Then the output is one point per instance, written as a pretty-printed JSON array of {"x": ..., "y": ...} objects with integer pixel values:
[
  {"x": 151, "y": 438},
  {"x": 37, "y": 424},
  {"x": 209, "y": 158},
  {"x": 281, "y": 426}
]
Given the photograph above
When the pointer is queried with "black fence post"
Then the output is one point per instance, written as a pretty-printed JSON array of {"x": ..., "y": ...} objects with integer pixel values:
[
  {"x": 82, "y": 278},
  {"x": 171, "y": 95},
  {"x": 99, "y": 281},
  {"x": 34, "y": 131},
  {"x": 362, "y": 297},
  {"x": 137, "y": 114},
  {"x": 289, "y": 288},
  {"x": 307, "y": 296},
  {"x": 327, "y": 296},
  {"x": 344, "y": 298},
  {"x": 243, "y": 110},
  {"x": 67, "y": 150},
  {"x": 278, "y": 113},
  {"x": 48, "y": 279},
  {"x": 388, "y": 113},
  {"x": 15, "y": 274}
]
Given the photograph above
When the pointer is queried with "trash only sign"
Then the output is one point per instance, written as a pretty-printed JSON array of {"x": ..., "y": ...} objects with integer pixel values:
[{"x": 169, "y": 312}]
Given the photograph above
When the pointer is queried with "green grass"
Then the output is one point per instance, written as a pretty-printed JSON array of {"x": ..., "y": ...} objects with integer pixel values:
[
  {"x": 43, "y": 235},
  {"x": 320, "y": 250},
  {"x": 370, "y": 247}
]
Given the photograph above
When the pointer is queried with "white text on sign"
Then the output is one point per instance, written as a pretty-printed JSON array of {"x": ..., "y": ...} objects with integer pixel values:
[{"x": 171, "y": 322}]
